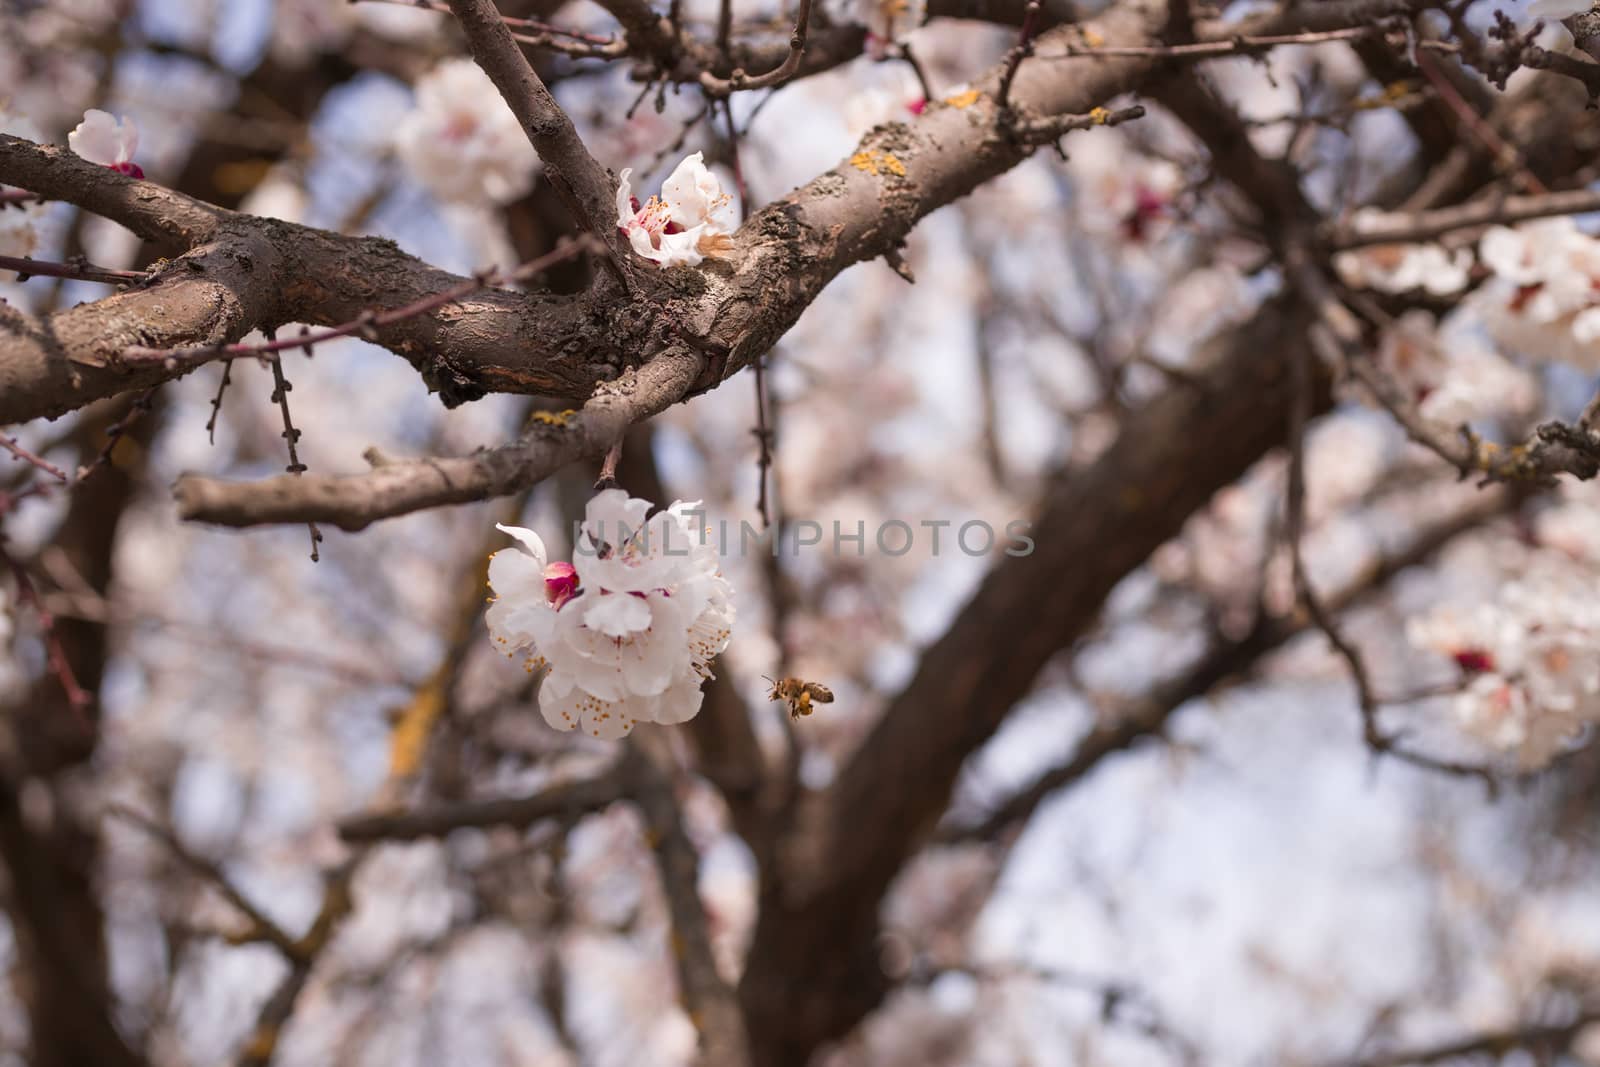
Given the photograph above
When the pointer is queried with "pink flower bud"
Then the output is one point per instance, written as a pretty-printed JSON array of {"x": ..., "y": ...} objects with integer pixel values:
[
  {"x": 560, "y": 583},
  {"x": 1474, "y": 660}
]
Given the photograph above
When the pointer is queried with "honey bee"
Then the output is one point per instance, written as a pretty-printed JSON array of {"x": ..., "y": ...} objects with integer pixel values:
[{"x": 799, "y": 695}]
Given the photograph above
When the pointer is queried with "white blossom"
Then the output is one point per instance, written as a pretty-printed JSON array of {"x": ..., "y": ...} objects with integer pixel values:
[
  {"x": 889, "y": 21},
  {"x": 1120, "y": 192},
  {"x": 1401, "y": 268},
  {"x": 1531, "y": 660},
  {"x": 627, "y": 632},
  {"x": 462, "y": 142},
  {"x": 896, "y": 97},
  {"x": 1451, "y": 377},
  {"x": 1544, "y": 299},
  {"x": 107, "y": 140},
  {"x": 687, "y": 222}
]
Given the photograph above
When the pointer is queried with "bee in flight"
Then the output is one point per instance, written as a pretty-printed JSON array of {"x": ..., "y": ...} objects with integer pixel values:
[{"x": 799, "y": 695}]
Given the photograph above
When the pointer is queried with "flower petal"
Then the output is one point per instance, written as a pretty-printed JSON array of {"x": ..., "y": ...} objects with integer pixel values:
[
  {"x": 625, "y": 212},
  {"x": 529, "y": 540},
  {"x": 101, "y": 138},
  {"x": 616, "y": 614}
]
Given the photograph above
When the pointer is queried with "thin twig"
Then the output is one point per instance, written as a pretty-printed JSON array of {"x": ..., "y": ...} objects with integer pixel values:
[
  {"x": 608, "y": 468},
  {"x": 261, "y": 928},
  {"x": 27, "y": 267},
  {"x": 10, "y": 445},
  {"x": 280, "y": 396},
  {"x": 740, "y": 81},
  {"x": 1405, "y": 226}
]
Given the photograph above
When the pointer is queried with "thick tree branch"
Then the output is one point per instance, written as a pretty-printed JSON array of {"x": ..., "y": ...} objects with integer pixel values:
[
  {"x": 727, "y": 314},
  {"x": 215, "y": 294},
  {"x": 813, "y": 969},
  {"x": 396, "y": 488},
  {"x": 171, "y": 221}
]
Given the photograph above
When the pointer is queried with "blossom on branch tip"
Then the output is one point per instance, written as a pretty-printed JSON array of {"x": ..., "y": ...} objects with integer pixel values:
[
  {"x": 687, "y": 222},
  {"x": 109, "y": 141},
  {"x": 462, "y": 141},
  {"x": 628, "y": 630}
]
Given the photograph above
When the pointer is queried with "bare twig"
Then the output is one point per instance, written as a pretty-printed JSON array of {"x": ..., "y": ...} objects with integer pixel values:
[
  {"x": 707, "y": 998},
  {"x": 261, "y": 926},
  {"x": 740, "y": 81},
  {"x": 563, "y": 800},
  {"x": 1403, "y": 226},
  {"x": 608, "y": 468},
  {"x": 27, "y": 267},
  {"x": 280, "y": 396}
]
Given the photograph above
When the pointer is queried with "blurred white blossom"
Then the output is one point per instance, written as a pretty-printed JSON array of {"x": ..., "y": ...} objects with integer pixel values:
[
  {"x": 1401, "y": 268},
  {"x": 1451, "y": 377},
  {"x": 629, "y": 635},
  {"x": 889, "y": 21},
  {"x": 897, "y": 97},
  {"x": 1531, "y": 659},
  {"x": 462, "y": 142},
  {"x": 1544, "y": 299}
]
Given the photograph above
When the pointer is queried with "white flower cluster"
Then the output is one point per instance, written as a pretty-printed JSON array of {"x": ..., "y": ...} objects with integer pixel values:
[
  {"x": 1532, "y": 663},
  {"x": 687, "y": 222},
  {"x": 462, "y": 141},
  {"x": 1402, "y": 268},
  {"x": 1452, "y": 376},
  {"x": 629, "y": 634},
  {"x": 1544, "y": 299}
]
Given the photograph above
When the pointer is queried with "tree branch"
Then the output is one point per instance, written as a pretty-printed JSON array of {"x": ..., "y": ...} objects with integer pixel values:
[
  {"x": 170, "y": 220},
  {"x": 582, "y": 183},
  {"x": 395, "y": 488}
]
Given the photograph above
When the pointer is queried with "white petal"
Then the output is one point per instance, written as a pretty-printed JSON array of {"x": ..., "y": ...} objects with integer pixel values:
[
  {"x": 681, "y": 249},
  {"x": 690, "y": 190},
  {"x": 625, "y": 212},
  {"x": 608, "y": 720},
  {"x": 516, "y": 574},
  {"x": 528, "y": 540},
  {"x": 1586, "y": 326},
  {"x": 100, "y": 138},
  {"x": 560, "y": 702},
  {"x": 612, "y": 517},
  {"x": 618, "y": 615},
  {"x": 679, "y": 704}
]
